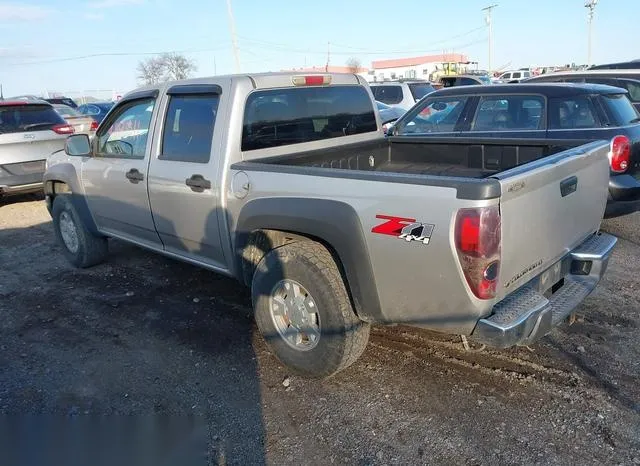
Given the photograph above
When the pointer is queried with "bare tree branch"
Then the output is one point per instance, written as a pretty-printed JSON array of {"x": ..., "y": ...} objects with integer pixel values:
[
  {"x": 166, "y": 67},
  {"x": 354, "y": 64}
]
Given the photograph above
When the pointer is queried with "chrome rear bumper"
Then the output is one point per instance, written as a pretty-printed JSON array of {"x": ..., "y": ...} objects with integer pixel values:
[{"x": 531, "y": 312}]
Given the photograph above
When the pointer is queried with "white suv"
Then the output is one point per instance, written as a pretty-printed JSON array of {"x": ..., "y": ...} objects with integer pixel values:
[
  {"x": 514, "y": 76},
  {"x": 402, "y": 94},
  {"x": 30, "y": 131}
]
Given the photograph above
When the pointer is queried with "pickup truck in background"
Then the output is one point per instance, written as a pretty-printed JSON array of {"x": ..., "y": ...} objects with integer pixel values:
[{"x": 287, "y": 183}]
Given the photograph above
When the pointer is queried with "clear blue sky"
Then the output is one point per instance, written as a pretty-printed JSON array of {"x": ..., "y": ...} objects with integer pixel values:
[{"x": 41, "y": 39}]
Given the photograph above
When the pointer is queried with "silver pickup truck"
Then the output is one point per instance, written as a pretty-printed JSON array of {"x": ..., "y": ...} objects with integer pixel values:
[{"x": 286, "y": 183}]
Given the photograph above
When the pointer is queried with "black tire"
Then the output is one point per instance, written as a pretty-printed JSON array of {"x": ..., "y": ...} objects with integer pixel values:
[
  {"x": 91, "y": 249},
  {"x": 343, "y": 336}
]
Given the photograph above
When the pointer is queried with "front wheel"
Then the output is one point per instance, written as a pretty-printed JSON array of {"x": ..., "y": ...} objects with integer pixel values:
[
  {"x": 303, "y": 310},
  {"x": 81, "y": 247}
]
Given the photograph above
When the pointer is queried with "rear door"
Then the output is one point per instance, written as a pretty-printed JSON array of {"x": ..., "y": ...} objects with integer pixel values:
[
  {"x": 547, "y": 208},
  {"x": 184, "y": 176}
]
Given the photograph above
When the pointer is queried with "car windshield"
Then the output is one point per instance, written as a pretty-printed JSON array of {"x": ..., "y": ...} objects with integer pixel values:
[
  {"x": 20, "y": 118},
  {"x": 484, "y": 79},
  {"x": 621, "y": 108},
  {"x": 419, "y": 90},
  {"x": 433, "y": 115},
  {"x": 382, "y": 106},
  {"x": 66, "y": 112}
]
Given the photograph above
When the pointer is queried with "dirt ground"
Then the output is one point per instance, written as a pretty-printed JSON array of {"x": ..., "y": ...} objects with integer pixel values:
[{"x": 142, "y": 335}]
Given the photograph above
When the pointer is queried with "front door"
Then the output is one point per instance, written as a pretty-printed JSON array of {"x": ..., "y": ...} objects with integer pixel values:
[
  {"x": 184, "y": 181},
  {"x": 115, "y": 176}
]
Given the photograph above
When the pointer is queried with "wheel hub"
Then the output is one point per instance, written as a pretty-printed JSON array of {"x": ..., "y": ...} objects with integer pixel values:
[
  {"x": 295, "y": 315},
  {"x": 68, "y": 232}
]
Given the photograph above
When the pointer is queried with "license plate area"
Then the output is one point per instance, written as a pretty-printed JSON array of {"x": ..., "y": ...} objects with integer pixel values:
[{"x": 552, "y": 279}]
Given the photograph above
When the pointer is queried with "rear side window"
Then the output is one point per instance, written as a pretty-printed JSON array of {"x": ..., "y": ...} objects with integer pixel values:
[
  {"x": 517, "y": 75},
  {"x": 388, "y": 94},
  {"x": 188, "y": 128},
  {"x": 279, "y": 117},
  {"x": 509, "y": 113},
  {"x": 620, "y": 108},
  {"x": 419, "y": 90},
  {"x": 572, "y": 113},
  {"x": 21, "y": 118}
]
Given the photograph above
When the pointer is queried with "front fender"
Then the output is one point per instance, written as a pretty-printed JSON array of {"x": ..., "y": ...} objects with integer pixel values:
[{"x": 62, "y": 176}]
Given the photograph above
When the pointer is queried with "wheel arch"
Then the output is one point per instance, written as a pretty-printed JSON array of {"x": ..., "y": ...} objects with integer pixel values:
[{"x": 265, "y": 224}]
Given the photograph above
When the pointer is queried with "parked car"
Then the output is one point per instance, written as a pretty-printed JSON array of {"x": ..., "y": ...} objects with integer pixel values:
[
  {"x": 514, "y": 76},
  {"x": 625, "y": 78},
  {"x": 29, "y": 132},
  {"x": 627, "y": 65},
  {"x": 402, "y": 94},
  {"x": 80, "y": 122},
  {"x": 62, "y": 100},
  {"x": 292, "y": 189},
  {"x": 563, "y": 112},
  {"x": 465, "y": 80},
  {"x": 96, "y": 110},
  {"x": 388, "y": 115}
]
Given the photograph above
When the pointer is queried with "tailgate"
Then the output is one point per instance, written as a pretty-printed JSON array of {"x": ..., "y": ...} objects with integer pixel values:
[{"x": 547, "y": 208}]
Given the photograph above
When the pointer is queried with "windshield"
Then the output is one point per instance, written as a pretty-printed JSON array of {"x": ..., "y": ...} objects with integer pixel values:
[
  {"x": 382, "y": 106},
  {"x": 418, "y": 91},
  {"x": 484, "y": 79},
  {"x": 621, "y": 108},
  {"x": 433, "y": 115}
]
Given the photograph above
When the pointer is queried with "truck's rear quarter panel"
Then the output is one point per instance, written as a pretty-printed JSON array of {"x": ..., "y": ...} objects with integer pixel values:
[{"x": 416, "y": 283}]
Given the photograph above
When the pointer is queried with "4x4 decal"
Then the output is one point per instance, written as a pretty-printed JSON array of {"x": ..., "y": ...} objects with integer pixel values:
[{"x": 407, "y": 229}]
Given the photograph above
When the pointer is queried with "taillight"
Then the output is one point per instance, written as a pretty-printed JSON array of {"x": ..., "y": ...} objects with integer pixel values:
[
  {"x": 478, "y": 242},
  {"x": 314, "y": 80},
  {"x": 94, "y": 125},
  {"x": 63, "y": 129},
  {"x": 620, "y": 154}
]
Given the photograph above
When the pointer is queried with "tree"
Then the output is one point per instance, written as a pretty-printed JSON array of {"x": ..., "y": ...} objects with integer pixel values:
[
  {"x": 177, "y": 66},
  {"x": 354, "y": 64},
  {"x": 151, "y": 71},
  {"x": 166, "y": 67}
]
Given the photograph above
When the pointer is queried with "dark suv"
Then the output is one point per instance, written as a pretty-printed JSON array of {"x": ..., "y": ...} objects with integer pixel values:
[
  {"x": 628, "y": 79},
  {"x": 566, "y": 113}
]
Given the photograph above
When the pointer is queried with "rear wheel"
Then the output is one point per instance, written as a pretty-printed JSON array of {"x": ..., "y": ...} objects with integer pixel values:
[
  {"x": 304, "y": 312},
  {"x": 81, "y": 247}
]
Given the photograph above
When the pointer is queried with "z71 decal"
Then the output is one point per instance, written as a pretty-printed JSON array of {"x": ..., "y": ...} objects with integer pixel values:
[{"x": 407, "y": 229}]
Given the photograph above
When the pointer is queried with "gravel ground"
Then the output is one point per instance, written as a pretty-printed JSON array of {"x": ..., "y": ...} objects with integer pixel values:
[{"x": 144, "y": 335}]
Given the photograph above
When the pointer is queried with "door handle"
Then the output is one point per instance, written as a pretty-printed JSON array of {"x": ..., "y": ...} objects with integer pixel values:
[
  {"x": 134, "y": 176},
  {"x": 198, "y": 183}
]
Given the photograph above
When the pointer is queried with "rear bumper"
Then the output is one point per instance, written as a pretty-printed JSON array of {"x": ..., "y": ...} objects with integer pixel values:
[
  {"x": 530, "y": 313},
  {"x": 624, "y": 195},
  {"x": 19, "y": 178}
]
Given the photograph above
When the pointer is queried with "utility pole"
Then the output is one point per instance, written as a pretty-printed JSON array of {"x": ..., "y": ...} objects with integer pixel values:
[
  {"x": 487, "y": 19},
  {"x": 591, "y": 6},
  {"x": 326, "y": 68},
  {"x": 234, "y": 39}
]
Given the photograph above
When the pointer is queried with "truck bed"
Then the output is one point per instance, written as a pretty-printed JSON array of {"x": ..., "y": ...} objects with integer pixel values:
[{"x": 450, "y": 157}]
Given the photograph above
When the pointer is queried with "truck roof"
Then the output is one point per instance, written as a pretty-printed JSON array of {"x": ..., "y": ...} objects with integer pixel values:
[
  {"x": 547, "y": 89},
  {"x": 261, "y": 80}
]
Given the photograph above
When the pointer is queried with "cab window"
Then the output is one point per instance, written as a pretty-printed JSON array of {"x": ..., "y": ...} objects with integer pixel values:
[{"x": 126, "y": 134}]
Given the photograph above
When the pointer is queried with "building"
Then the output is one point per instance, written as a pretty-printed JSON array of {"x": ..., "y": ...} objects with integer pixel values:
[{"x": 411, "y": 68}]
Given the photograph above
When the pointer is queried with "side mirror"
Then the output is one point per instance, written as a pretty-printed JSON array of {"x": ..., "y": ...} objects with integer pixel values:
[
  {"x": 388, "y": 125},
  {"x": 78, "y": 145}
]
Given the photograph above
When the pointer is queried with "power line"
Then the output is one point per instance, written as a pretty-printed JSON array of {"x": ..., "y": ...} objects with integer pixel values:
[
  {"x": 284, "y": 48},
  {"x": 109, "y": 54}
]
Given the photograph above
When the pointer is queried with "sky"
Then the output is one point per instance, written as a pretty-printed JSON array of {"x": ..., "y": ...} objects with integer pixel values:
[{"x": 92, "y": 47}]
